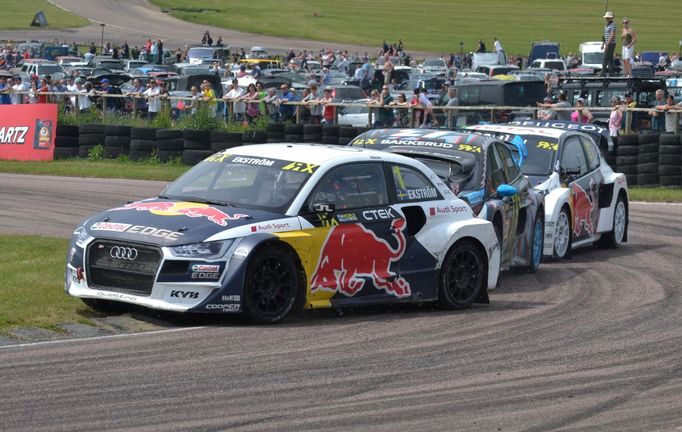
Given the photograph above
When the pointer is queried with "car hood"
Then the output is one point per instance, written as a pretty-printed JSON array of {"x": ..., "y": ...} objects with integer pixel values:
[{"x": 168, "y": 222}]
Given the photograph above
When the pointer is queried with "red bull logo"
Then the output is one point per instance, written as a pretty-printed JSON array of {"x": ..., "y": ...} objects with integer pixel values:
[
  {"x": 193, "y": 210},
  {"x": 582, "y": 208},
  {"x": 352, "y": 253}
]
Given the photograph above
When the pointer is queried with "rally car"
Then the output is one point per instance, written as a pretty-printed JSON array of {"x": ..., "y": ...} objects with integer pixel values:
[
  {"x": 484, "y": 172},
  {"x": 264, "y": 230},
  {"x": 586, "y": 201}
]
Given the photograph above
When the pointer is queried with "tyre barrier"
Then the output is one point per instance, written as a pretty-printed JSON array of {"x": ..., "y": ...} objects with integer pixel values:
[{"x": 646, "y": 160}]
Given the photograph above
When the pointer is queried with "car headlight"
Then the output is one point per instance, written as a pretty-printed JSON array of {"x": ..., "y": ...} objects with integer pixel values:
[
  {"x": 206, "y": 250},
  {"x": 80, "y": 236}
]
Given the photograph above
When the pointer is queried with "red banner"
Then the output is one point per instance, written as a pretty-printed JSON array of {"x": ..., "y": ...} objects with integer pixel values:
[{"x": 27, "y": 131}]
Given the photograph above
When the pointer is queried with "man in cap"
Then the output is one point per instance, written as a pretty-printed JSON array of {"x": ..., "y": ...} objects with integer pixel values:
[
  {"x": 153, "y": 101},
  {"x": 608, "y": 44}
]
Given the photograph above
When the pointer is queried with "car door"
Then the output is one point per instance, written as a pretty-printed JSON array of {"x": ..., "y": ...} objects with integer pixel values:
[
  {"x": 506, "y": 207},
  {"x": 575, "y": 173},
  {"x": 358, "y": 235}
]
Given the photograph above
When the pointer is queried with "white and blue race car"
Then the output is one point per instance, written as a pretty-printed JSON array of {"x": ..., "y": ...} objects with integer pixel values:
[
  {"x": 586, "y": 201},
  {"x": 264, "y": 230}
]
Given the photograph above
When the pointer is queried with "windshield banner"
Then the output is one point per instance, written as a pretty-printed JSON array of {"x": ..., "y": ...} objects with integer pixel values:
[{"x": 27, "y": 132}]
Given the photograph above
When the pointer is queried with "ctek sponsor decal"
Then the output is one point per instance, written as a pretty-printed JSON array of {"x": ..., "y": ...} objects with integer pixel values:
[
  {"x": 190, "y": 209},
  {"x": 379, "y": 214}
]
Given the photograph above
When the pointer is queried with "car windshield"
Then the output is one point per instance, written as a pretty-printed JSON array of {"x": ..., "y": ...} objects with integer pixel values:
[
  {"x": 459, "y": 177},
  {"x": 541, "y": 155},
  {"x": 348, "y": 93},
  {"x": 592, "y": 58},
  {"x": 49, "y": 69},
  {"x": 434, "y": 63},
  {"x": 202, "y": 53},
  {"x": 242, "y": 181}
]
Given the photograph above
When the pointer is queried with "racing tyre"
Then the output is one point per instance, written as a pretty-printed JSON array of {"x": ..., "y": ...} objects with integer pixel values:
[
  {"x": 112, "y": 152},
  {"x": 115, "y": 130},
  {"x": 537, "y": 242},
  {"x": 627, "y": 141},
  {"x": 647, "y": 179},
  {"x": 91, "y": 128},
  {"x": 193, "y": 157},
  {"x": 462, "y": 276},
  {"x": 348, "y": 132},
  {"x": 313, "y": 139},
  {"x": 170, "y": 144},
  {"x": 648, "y": 148},
  {"x": 647, "y": 158},
  {"x": 628, "y": 169},
  {"x": 330, "y": 131},
  {"x": 563, "y": 236},
  {"x": 166, "y": 134},
  {"x": 271, "y": 287},
  {"x": 332, "y": 140},
  {"x": 143, "y": 145},
  {"x": 166, "y": 156},
  {"x": 293, "y": 138},
  {"x": 648, "y": 168},
  {"x": 143, "y": 133},
  {"x": 66, "y": 131},
  {"x": 631, "y": 179},
  {"x": 255, "y": 137},
  {"x": 138, "y": 155},
  {"x": 274, "y": 137},
  {"x": 84, "y": 151},
  {"x": 668, "y": 170},
  {"x": 276, "y": 128},
  {"x": 66, "y": 141},
  {"x": 65, "y": 152},
  {"x": 645, "y": 139},
  {"x": 293, "y": 129},
  {"x": 627, "y": 150},
  {"x": 673, "y": 180},
  {"x": 615, "y": 237},
  {"x": 667, "y": 159},
  {"x": 90, "y": 139},
  {"x": 670, "y": 149},
  {"x": 626, "y": 160},
  {"x": 344, "y": 141},
  {"x": 669, "y": 139}
]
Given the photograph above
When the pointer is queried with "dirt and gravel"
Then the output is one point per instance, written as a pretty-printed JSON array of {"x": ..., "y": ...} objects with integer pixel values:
[
  {"x": 138, "y": 20},
  {"x": 593, "y": 343}
]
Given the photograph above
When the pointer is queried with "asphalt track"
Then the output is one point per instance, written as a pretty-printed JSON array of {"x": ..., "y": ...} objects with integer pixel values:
[
  {"x": 594, "y": 343},
  {"x": 138, "y": 20}
]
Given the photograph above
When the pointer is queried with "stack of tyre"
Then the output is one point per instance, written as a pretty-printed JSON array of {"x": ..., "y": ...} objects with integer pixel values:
[
  {"x": 89, "y": 136},
  {"x": 275, "y": 132},
  {"x": 346, "y": 134},
  {"x": 170, "y": 144},
  {"x": 66, "y": 142},
  {"x": 254, "y": 137},
  {"x": 647, "y": 160},
  {"x": 670, "y": 160},
  {"x": 312, "y": 133},
  {"x": 116, "y": 141},
  {"x": 197, "y": 146},
  {"x": 626, "y": 160},
  {"x": 142, "y": 143},
  {"x": 330, "y": 134},
  {"x": 293, "y": 133},
  {"x": 221, "y": 140}
]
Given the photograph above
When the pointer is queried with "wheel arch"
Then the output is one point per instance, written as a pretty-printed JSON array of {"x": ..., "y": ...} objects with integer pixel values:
[{"x": 622, "y": 193}]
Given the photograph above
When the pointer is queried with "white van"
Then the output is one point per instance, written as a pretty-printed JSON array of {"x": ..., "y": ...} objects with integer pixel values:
[{"x": 591, "y": 54}]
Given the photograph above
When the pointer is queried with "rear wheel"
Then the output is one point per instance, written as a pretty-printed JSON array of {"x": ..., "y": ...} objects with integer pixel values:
[
  {"x": 536, "y": 241},
  {"x": 461, "y": 276},
  {"x": 271, "y": 286},
  {"x": 562, "y": 235}
]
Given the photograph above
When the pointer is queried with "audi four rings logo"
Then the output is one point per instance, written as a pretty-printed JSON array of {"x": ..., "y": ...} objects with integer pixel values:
[{"x": 123, "y": 253}]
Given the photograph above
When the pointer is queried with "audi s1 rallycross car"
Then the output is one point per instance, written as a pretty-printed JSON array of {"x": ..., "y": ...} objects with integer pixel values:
[
  {"x": 267, "y": 229},
  {"x": 484, "y": 172},
  {"x": 586, "y": 202}
]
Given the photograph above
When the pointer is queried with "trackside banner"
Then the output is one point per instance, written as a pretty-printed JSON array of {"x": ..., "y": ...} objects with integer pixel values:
[{"x": 27, "y": 131}]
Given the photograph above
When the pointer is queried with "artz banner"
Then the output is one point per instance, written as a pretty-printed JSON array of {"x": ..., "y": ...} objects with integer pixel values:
[{"x": 27, "y": 131}]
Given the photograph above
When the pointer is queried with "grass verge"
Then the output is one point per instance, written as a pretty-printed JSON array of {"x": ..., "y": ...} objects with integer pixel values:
[
  {"x": 97, "y": 168},
  {"x": 659, "y": 194},
  {"x": 32, "y": 286},
  {"x": 19, "y": 14},
  {"x": 437, "y": 25}
]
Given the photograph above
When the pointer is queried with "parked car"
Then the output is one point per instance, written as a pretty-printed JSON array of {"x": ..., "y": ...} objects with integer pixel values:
[
  {"x": 491, "y": 71},
  {"x": 39, "y": 68},
  {"x": 591, "y": 54},
  {"x": 482, "y": 171},
  {"x": 106, "y": 62},
  {"x": 434, "y": 66},
  {"x": 208, "y": 55},
  {"x": 268, "y": 229},
  {"x": 554, "y": 64},
  {"x": 500, "y": 93},
  {"x": 543, "y": 50},
  {"x": 586, "y": 201}
]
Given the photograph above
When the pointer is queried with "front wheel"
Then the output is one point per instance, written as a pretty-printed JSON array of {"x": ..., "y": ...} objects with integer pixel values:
[
  {"x": 614, "y": 238},
  {"x": 271, "y": 286},
  {"x": 563, "y": 235},
  {"x": 462, "y": 276}
]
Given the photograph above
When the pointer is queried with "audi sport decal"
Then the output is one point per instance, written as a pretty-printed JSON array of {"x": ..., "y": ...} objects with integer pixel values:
[
  {"x": 342, "y": 268},
  {"x": 193, "y": 210}
]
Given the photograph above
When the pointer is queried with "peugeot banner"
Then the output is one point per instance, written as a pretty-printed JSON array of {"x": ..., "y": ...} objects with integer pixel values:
[{"x": 27, "y": 132}]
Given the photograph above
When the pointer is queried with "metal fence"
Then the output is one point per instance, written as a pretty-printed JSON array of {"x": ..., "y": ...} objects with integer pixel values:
[{"x": 452, "y": 116}]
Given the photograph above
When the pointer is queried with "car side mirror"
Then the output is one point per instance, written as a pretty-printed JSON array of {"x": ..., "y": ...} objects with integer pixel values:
[
  {"x": 505, "y": 190},
  {"x": 323, "y": 207}
]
